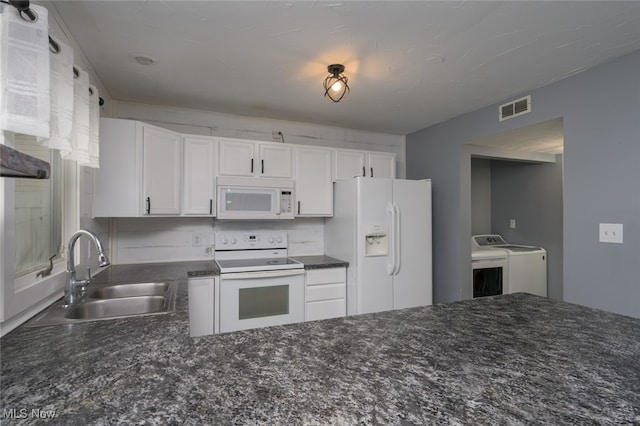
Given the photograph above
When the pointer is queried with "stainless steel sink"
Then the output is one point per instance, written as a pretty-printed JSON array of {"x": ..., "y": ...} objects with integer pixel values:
[
  {"x": 111, "y": 301},
  {"x": 121, "y": 307},
  {"x": 128, "y": 290}
]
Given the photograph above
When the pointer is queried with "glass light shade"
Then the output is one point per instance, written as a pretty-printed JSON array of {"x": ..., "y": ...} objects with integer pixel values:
[{"x": 335, "y": 84}]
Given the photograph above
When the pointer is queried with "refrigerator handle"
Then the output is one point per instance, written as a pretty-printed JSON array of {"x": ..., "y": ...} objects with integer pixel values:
[
  {"x": 396, "y": 237},
  {"x": 391, "y": 256}
]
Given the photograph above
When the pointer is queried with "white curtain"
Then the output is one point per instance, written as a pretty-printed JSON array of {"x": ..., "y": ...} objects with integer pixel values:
[
  {"x": 42, "y": 93},
  {"x": 94, "y": 127},
  {"x": 61, "y": 123},
  {"x": 24, "y": 73},
  {"x": 80, "y": 131}
]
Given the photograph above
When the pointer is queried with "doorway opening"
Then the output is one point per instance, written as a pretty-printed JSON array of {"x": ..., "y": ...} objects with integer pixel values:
[{"x": 516, "y": 191}]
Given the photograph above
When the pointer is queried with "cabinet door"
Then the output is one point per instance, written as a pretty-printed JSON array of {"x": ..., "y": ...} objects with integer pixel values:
[
  {"x": 275, "y": 161},
  {"x": 314, "y": 187},
  {"x": 199, "y": 175},
  {"x": 381, "y": 164},
  {"x": 162, "y": 162},
  {"x": 236, "y": 158},
  {"x": 348, "y": 164},
  {"x": 118, "y": 181},
  {"x": 201, "y": 306}
]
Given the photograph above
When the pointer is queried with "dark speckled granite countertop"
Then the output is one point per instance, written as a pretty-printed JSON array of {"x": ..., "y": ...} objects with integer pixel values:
[
  {"x": 320, "y": 262},
  {"x": 514, "y": 359}
]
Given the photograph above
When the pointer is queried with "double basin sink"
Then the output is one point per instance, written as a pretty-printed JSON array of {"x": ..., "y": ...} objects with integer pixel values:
[{"x": 111, "y": 301}]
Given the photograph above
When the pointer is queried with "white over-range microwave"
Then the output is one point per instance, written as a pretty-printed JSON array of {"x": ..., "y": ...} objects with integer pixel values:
[{"x": 254, "y": 198}]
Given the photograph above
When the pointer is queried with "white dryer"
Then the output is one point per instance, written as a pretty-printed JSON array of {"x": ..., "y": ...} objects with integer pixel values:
[{"x": 527, "y": 264}]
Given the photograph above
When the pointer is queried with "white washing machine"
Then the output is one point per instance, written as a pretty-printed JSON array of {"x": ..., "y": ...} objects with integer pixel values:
[
  {"x": 489, "y": 271},
  {"x": 527, "y": 268}
]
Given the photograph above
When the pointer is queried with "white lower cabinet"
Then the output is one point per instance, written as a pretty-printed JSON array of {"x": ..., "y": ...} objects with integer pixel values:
[
  {"x": 201, "y": 306},
  {"x": 325, "y": 293}
]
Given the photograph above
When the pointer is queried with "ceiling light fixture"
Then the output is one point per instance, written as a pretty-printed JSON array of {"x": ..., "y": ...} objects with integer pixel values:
[
  {"x": 335, "y": 85},
  {"x": 142, "y": 59}
]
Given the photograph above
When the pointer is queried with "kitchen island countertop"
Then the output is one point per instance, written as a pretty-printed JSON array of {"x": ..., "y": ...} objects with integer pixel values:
[{"x": 513, "y": 359}]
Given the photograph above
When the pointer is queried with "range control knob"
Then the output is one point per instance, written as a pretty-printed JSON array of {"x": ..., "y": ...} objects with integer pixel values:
[
  {"x": 271, "y": 240},
  {"x": 225, "y": 241},
  {"x": 279, "y": 240},
  {"x": 234, "y": 240}
]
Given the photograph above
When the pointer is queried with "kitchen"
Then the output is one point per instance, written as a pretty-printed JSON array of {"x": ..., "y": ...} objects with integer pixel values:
[{"x": 450, "y": 261}]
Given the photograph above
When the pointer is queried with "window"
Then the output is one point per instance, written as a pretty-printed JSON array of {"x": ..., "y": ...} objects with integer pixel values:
[
  {"x": 36, "y": 219},
  {"x": 38, "y": 211}
]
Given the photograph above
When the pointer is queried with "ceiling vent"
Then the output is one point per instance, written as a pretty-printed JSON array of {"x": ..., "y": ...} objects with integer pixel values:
[{"x": 514, "y": 108}]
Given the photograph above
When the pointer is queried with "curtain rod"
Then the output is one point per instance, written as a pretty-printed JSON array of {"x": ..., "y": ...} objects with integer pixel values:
[{"x": 30, "y": 15}]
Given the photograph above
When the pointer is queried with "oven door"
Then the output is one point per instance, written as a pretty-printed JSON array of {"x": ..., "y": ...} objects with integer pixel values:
[
  {"x": 261, "y": 299},
  {"x": 489, "y": 277}
]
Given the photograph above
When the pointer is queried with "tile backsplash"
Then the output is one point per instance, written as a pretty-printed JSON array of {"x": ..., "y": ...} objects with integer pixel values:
[{"x": 136, "y": 240}]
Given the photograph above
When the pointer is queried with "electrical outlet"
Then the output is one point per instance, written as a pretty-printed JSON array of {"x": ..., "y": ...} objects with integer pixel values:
[
  {"x": 196, "y": 239},
  {"x": 512, "y": 223},
  {"x": 611, "y": 233}
]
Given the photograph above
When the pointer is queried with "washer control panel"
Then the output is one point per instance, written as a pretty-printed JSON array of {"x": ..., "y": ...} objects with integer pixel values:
[{"x": 488, "y": 240}]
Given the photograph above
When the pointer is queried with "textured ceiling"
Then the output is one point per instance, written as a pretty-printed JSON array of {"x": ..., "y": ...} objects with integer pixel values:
[
  {"x": 546, "y": 137},
  {"x": 410, "y": 64}
]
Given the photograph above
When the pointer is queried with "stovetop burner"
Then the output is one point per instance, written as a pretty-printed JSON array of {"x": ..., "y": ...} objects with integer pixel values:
[{"x": 248, "y": 265}]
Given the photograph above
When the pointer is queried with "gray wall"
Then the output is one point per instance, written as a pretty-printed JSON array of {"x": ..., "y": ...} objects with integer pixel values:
[
  {"x": 601, "y": 111},
  {"x": 480, "y": 196},
  {"x": 530, "y": 193}
]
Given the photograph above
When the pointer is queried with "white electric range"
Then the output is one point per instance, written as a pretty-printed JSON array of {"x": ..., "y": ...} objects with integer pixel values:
[{"x": 260, "y": 285}]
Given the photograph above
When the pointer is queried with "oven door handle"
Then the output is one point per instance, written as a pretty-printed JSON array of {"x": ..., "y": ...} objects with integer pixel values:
[{"x": 261, "y": 274}]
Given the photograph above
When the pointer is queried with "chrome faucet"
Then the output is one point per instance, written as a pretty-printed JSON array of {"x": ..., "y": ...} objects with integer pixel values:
[{"x": 74, "y": 289}]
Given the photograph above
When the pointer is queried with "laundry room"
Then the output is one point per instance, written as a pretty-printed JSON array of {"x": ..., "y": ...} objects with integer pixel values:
[{"x": 516, "y": 193}]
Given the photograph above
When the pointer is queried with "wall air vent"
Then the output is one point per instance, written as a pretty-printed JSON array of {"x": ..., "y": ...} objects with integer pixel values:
[{"x": 514, "y": 108}]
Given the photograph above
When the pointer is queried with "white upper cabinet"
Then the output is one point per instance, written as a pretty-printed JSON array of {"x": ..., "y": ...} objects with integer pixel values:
[
  {"x": 348, "y": 164},
  {"x": 140, "y": 170},
  {"x": 275, "y": 161},
  {"x": 254, "y": 159},
  {"x": 117, "y": 190},
  {"x": 314, "y": 186},
  {"x": 147, "y": 170},
  {"x": 199, "y": 175},
  {"x": 381, "y": 164},
  {"x": 236, "y": 158},
  {"x": 162, "y": 170}
]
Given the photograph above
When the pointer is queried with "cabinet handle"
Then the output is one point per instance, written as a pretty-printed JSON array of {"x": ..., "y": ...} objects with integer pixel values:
[
  {"x": 211, "y": 206},
  {"x": 148, "y": 205},
  {"x": 371, "y": 171},
  {"x": 262, "y": 166},
  {"x": 364, "y": 172},
  {"x": 252, "y": 165},
  {"x": 298, "y": 207}
]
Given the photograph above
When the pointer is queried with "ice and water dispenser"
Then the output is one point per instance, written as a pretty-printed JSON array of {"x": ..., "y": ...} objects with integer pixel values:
[{"x": 376, "y": 240}]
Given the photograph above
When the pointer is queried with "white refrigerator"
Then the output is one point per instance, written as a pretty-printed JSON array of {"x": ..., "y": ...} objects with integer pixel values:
[{"x": 382, "y": 227}]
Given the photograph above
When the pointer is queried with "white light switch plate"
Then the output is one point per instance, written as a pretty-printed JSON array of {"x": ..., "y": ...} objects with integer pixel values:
[{"x": 611, "y": 233}]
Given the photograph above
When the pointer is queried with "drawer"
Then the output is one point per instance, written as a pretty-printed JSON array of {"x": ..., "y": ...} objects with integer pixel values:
[
  {"x": 325, "y": 309},
  {"x": 326, "y": 276},
  {"x": 325, "y": 291}
]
